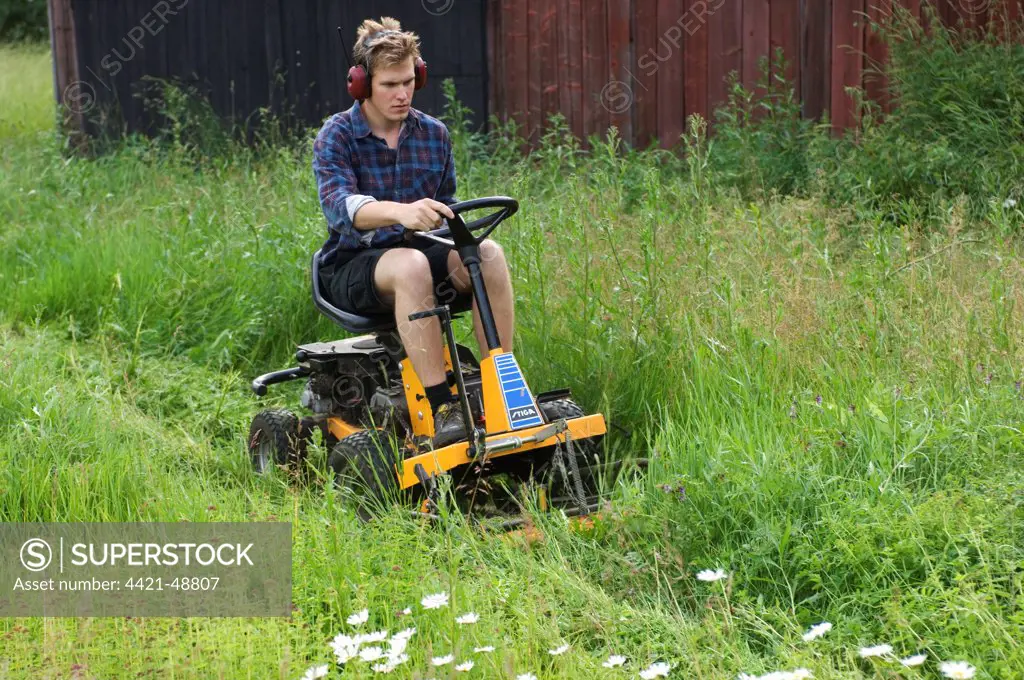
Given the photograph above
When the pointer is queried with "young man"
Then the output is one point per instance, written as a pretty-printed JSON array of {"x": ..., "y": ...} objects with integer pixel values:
[{"x": 385, "y": 170}]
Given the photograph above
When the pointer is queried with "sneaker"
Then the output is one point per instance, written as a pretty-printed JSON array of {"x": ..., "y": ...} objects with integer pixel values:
[{"x": 449, "y": 426}]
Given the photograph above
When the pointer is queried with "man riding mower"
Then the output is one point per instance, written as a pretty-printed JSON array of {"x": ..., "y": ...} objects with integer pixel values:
[{"x": 398, "y": 406}]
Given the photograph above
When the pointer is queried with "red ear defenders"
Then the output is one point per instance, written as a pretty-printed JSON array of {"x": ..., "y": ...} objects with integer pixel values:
[{"x": 359, "y": 76}]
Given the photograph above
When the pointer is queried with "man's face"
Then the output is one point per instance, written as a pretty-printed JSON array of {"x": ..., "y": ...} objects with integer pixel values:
[{"x": 392, "y": 90}]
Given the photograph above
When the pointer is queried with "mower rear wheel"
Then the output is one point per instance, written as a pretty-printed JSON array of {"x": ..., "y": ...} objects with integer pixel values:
[
  {"x": 365, "y": 462},
  {"x": 274, "y": 439},
  {"x": 561, "y": 408}
]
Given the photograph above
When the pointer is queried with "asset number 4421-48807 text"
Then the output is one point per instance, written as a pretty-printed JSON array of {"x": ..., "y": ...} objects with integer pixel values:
[{"x": 181, "y": 583}]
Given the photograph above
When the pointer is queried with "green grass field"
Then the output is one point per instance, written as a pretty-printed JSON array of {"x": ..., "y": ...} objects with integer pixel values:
[{"x": 832, "y": 405}]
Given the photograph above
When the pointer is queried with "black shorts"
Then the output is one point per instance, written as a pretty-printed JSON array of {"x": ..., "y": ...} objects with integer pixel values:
[{"x": 349, "y": 282}]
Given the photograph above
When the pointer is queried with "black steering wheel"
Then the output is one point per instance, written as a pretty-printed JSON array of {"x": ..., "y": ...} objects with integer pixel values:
[{"x": 462, "y": 232}]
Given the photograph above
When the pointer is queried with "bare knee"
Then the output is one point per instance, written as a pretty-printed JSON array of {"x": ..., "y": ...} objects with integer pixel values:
[
  {"x": 492, "y": 252},
  {"x": 403, "y": 272},
  {"x": 492, "y": 262}
]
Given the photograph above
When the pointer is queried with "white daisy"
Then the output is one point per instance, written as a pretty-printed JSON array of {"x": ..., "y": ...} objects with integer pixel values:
[
  {"x": 345, "y": 654},
  {"x": 655, "y": 670},
  {"x": 371, "y": 653},
  {"x": 359, "y": 618},
  {"x": 406, "y": 634},
  {"x": 915, "y": 660},
  {"x": 435, "y": 601},
  {"x": 343, "y": 640},
  {"x": 314, "y": 672},
  {"x": 483, "y": 650},
  {"x": 345, "y": 648},
  {"x": 1009, "y": 203},
  {"x": 711, "y": 575},
  {"x": 442, "y": 660},
  {"x": 877, "y": 650},
  {"x": 385, "y": 667},
  {"x": 801, "y": 674},
  {"x": 558, "y": 650},
  {"x": 526, "y": 676},
  {"x": 464, "y": 667},
  {"x": 397, "y": 645},
  {"x": 469, "y": 617},
  {"x": 407, "y": 611},
  {"x": 614, "y": 660},
  {"x": 397, "y": 659},
  {"x": 817, "y": 631},
  {"x": 376, "y": 636},
  {"x": 959, "y": 670}
]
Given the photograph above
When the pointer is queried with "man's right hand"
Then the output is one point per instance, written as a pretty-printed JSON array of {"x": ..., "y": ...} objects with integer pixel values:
[{"x": 423, "y": 215}]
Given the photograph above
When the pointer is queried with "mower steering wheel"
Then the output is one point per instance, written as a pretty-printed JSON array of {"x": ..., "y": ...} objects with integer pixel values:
[{"x": 462, "y": 231}]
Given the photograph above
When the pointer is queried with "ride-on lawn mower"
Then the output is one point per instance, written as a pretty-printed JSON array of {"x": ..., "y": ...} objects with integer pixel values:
[{"x": 377, "y": 424}]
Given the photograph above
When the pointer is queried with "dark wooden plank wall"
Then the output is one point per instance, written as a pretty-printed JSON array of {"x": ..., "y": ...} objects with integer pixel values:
[
  {"x": 670, "y": 59},
  {"x": 642, "y": 65},
  {"x": 847, "y": 58},
  {"x": 66, "y": 83},
  {"x": 244, "y": 55}
]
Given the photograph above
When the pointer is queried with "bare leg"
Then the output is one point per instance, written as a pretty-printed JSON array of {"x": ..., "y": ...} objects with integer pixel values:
[
  {"x": 499, "y": 290},
  {"x": 402, "y": 278}
]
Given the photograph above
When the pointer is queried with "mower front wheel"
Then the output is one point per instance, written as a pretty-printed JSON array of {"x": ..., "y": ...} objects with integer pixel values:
[
  {"x": 365, "y": 462},
  {"x": 274, "y": 439}
]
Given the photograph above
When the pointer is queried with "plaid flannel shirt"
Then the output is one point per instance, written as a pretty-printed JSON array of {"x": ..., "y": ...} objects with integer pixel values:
[{"x": 353, "y": 166}]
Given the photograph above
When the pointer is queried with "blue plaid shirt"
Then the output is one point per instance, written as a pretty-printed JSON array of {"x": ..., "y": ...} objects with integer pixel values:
[{"x": 348, "y": 160}]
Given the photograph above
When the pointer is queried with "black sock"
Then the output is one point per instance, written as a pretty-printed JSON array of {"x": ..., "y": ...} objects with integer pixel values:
[{"x": 438, "y": 394}]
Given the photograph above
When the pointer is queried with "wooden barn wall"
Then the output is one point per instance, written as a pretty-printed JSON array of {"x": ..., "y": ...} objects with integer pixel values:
[
  {"x": 244, "y": 55},
  {"x": 646, "y": 65}
]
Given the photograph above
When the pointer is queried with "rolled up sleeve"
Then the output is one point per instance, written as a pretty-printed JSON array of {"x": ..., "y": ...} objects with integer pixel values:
[{"x": 353, "y": 203}]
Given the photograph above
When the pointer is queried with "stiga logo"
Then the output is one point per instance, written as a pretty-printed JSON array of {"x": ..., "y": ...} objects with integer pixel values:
[
  {"x": 520, "y": 413},
  {"x": 36, "y": 554}
]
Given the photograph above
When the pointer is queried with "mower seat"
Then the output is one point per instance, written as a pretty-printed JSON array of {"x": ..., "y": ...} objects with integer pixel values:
[{"x": 355, "y": 323}]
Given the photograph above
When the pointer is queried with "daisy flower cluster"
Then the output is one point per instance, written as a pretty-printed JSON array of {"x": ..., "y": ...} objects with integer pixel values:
[
  {"x": 955, "y": 670},
  {"x": 366, "y": 647},
  {"x": 385, "y": 651}
]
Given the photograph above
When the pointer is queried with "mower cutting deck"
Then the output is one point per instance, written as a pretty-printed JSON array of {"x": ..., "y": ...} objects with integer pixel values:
[{"x": 370, "y": 405}]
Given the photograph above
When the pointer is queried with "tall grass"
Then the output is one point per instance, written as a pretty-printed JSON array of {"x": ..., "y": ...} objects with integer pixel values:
[
  {"x": 956, "y": 97},
  {"x": 26, "y": 104},
  {"x": 831, "y": 403}
]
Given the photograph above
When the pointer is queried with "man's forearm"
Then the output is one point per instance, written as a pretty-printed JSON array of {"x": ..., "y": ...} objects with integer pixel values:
[{"x": 376, "y": 214}]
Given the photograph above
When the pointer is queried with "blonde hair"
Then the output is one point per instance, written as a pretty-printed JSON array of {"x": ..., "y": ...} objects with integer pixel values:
[{"x": 393, "y": 47}]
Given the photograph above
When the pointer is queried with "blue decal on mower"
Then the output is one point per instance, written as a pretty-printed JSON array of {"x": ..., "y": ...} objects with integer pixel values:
[{"x": 519, "y": 404}]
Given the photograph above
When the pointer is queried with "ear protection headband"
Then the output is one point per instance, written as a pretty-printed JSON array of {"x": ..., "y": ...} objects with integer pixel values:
[{"x": 359, "y": 76}]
